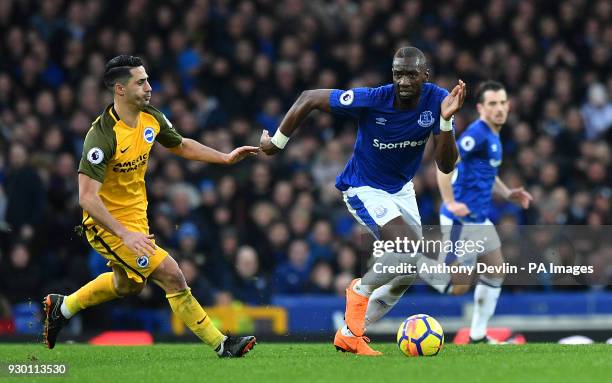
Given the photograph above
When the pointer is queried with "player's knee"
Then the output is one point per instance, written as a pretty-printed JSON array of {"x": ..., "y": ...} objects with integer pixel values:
[
  {"x": 175, "y": 281},
  {"x": 179, "y": 280},
  {"x": 169, "y": 276},
  {"x": 396, "y": 228}
]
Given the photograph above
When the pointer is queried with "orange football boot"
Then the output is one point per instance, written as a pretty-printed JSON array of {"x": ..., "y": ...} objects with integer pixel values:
[
  {"x": 356, "y": 306},
  {"x": 354, "y": 344}
]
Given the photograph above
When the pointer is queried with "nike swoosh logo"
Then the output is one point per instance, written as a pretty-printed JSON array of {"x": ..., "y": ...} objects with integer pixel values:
[
  {"x": 202, "y": 320},
  {"x": 123, "y": 150},
  {"x": 55, "y": 314}
]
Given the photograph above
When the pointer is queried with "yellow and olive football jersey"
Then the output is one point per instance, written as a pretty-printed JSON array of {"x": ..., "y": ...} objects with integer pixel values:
[{"x": 117, "y": 155}]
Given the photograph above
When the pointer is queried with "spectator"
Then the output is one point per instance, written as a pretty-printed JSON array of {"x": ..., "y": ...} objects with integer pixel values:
[
  {"x": 187, "y": 239},
  {"x": 278, "y": 239},
  {"x": 341, "y": 282},
  {"x": 25, "y": 194},
  {"x": 292, "y": 276},
  {"x": 321, "y": 278},
  {"x": 249, "y": 285},
  {"x": 20, "y": 275},
  {"x": 597, "y": 111},
  {"x": 347, "y": 260},
  {"x": 321, "y": 242},
  {"x": 270, "y": 116}
]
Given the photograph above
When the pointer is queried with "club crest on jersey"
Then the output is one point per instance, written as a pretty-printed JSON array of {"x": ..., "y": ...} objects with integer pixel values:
[
  {"x": 149, "y": 135},
  {"x": 347, "y": 97},
  {"x": 142, "y": 261},
  {"x": 95, "y": 155},
  {"x": 495, "y": 163},
  {"x": 426, "y": 119},
  {"x": 380, "y": 211}
]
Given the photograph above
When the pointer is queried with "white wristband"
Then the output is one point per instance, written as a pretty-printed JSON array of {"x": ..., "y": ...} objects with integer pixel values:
[
  {"x": 446, "y": 125},
  {"x": 279, "y": 139}
]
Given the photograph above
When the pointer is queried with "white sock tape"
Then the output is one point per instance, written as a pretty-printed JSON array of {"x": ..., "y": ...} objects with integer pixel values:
[
  {"x": 446, "y": 125},
  {"x": 279, "y": 139}
]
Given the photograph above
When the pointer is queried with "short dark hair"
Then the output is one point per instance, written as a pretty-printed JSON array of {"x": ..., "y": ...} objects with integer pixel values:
[
  {"x": 487, "y": 85},
  {"x": 413, "y": 53},
  {"x": 118, "y": 68}
]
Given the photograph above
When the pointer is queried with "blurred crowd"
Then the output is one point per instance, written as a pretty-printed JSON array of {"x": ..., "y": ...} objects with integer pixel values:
[{"x": 223, "y": 70}]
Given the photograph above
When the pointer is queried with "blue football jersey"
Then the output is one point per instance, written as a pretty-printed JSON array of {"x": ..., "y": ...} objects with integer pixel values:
[
  {"x": 481, "y": 154},
  {"x": 390, "y": 142}
]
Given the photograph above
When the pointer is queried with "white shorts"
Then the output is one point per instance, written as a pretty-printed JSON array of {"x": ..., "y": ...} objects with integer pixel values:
[
  {"x": 468, "y": 231},
  {"x": 374, "y": 208}
]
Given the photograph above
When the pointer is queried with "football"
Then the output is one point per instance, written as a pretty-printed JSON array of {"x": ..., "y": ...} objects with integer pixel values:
[{"x": 420, "y": 335}]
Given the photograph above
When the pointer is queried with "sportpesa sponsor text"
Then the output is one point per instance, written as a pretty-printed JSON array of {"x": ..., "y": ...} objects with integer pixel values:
[{"x": 397, "y": 145}]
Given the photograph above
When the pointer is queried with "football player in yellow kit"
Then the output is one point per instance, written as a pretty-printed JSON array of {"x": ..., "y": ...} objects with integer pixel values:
[{"x": 113, "y": 196}]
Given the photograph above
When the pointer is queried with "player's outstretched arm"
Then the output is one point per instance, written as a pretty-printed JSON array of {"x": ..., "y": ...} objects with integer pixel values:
[
  {"x": 453, "y": 102},
  {"x": 138, "y": 243},
  {"x": 308, "y": 101},
  {"x": 519, "y": 196},
  {"x": 193, "y": 150},
  {"x": 445, "y": 185},
  {"x": 446, "y": 147},
  {"x": 445, "y": 151}
]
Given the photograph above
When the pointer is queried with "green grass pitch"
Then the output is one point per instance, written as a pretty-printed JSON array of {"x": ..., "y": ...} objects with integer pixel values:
[{"x": 316, "y": 362}]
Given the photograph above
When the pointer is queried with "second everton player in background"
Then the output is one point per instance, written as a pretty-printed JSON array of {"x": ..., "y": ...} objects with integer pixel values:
[
  {"x": 467, "y": 194},
  {"x": 394, "y": 123}
]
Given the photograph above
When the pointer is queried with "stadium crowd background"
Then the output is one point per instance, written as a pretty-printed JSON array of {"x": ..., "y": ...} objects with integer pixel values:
[{"x": 224, "y": 70}]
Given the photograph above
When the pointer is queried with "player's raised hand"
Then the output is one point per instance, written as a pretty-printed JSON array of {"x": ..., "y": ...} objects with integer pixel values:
[
  {"x": 139, "y": 243},
  {"x": 520, "y": 196},
  {"x": 266, "y": 145},
  {"x": 453, "y": 102},
  {"x": 241, "y": 153},
  {"x": 458, "y": 209}
]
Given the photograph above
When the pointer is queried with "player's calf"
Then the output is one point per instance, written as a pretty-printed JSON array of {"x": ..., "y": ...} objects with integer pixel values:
[
  {"x": 384, "y": 298},
  {"x": 494, "y": 260}
]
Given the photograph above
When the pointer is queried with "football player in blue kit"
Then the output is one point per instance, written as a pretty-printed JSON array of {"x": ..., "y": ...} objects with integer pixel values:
[
  {"x": 466, "y": 195},
  {"x": 395, "y": 122}
]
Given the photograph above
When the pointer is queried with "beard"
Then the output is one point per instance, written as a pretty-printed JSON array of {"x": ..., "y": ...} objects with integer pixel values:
[
  {"x": 407, "y": 96},
  {"x": 142, "y": 102}
]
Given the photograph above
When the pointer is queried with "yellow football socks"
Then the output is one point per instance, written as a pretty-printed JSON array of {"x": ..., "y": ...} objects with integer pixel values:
[
  {"x": 100, "y": 290},
  {"x": 186, "y": 307}
]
